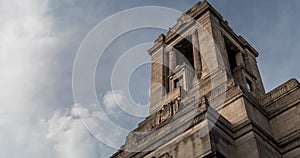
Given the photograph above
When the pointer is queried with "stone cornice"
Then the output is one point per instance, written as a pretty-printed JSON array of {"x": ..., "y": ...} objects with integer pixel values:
[
  {"x": 195, "y": 12},
  {"x": 280, "y": 92}
]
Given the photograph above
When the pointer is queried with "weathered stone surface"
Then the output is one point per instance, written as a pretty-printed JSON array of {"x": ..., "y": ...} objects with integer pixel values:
[{"x": 225, "y": 111}]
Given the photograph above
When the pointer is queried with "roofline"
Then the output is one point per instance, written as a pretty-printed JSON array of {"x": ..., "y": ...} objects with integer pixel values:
[{"x": 205, "y": 6}]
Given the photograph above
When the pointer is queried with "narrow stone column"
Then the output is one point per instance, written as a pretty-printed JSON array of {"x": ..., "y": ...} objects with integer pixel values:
[
  {"x": 196, "y": 54},
  {"x": 166, "y": 71},
  {"x": 239, "y": 59},
  {"x": 241, "y": 80},
  {"x": 172, "y": 61}
]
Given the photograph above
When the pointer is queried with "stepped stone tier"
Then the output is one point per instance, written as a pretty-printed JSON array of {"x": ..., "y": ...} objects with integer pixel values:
[{"x": 208, "y": 99}]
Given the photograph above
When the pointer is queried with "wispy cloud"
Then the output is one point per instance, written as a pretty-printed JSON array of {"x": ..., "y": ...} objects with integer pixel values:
[
  {"x": 71, "y": 138},
  {"x": 28, "y": 44}
]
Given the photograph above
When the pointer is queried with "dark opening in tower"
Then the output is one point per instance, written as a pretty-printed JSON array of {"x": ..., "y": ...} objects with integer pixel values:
[
  {"x": 231, "y": 52},
  {"x": 185, "y": 52}
]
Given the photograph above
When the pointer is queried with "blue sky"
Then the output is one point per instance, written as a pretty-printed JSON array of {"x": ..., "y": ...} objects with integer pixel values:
[{"x": 39, "y": 42}]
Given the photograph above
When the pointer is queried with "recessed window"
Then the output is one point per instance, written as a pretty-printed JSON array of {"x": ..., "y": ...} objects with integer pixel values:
[
  {"x": 249, "y": 85},
  {"x": 231, "y": 52},
  {"x": 185, "y": 52},
  {"x": 178, "y": 82}
]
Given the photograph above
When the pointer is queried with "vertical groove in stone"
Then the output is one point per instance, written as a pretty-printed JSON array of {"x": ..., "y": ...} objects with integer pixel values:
[{"x": 196, "y": 54}]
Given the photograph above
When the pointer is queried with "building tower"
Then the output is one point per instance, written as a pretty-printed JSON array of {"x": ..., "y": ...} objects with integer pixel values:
[{"x": 208, "y": 99}]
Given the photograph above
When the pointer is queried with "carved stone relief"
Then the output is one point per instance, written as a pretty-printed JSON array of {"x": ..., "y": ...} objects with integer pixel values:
[{"x": 166, "y": 112}]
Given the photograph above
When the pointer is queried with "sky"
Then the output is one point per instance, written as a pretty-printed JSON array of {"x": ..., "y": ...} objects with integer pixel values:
[{"x": 38, "y": 46}]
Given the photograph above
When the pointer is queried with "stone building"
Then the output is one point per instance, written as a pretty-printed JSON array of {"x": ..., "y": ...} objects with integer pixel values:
[{"x": 208, "y": 98}]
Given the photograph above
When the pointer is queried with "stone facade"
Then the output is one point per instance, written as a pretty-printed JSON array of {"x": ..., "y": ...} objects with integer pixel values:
[{"x": 208, "y": 98}]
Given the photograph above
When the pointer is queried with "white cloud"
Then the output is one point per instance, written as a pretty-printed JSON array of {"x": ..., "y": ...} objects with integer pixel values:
[
  {"x": 27, "y": 43},
  {"x": 111, "y": 100},
  {"x": 63, "y": 135},
  {"x": 70, "y": 137},
  {"x": 24, "y": 42},
  {"x": 25, "y": 38}
]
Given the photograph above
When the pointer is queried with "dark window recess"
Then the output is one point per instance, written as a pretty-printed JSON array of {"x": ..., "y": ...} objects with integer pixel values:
[
  {"x": 178, "y": 82},
  {"x": 249, "y": 85},
  {"x": 231, "y": 51},
  {"x": 185, "y": 52},
  {"x": 232, "y": 60}
]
